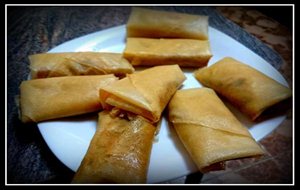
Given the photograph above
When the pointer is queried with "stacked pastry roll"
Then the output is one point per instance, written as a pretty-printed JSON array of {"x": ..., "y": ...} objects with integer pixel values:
[
  {"x": 164, "y": 38},
  {"x": 68, "y": 84},
  {"x": 136, "y": 102},
  {"x": 120, "y": 149}
]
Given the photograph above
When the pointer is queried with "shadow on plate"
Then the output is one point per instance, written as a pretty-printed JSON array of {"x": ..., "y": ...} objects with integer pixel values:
[
  {"x": 278, "y": 109},
  {"x": 194, "y": 178}
]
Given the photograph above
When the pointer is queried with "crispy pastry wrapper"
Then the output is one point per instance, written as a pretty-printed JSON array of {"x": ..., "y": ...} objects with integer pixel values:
[
  {"x": 145, "y": 93},
  {"x": 251, "y": 91},
  {"x": 209, "y": 131},
  {"x": 47, "y": 65},
  {"x": 119, "y": 151},
  {"x": 153, "y": 52},
  {"x": 162, "y": 24},
  {"x": 51, "y": 98}
]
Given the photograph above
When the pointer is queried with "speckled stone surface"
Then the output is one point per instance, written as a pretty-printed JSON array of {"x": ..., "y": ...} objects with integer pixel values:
[
  {"x": 38, "y": 29},
  {"x": 268, "y": 30}
]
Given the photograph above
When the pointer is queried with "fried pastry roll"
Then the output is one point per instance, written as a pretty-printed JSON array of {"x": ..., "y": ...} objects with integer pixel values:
[
  {"x": 208, "y": 130},
  {"x": 119, "y": 151},
  {"x": 145, "y": 93},
  {"x": 153, "y": 52},
  {"x": 251, "y": 91},
  {"x": 51, "y": 98},
  {"x": 47, "y": 65},
  {"x": 162, "y": 24}
]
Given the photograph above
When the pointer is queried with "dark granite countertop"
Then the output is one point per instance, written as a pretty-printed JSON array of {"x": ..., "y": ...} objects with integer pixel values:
[{"x": 38, "y": 29}]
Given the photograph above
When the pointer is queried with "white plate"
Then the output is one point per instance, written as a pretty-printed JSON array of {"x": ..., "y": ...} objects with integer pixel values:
[{"x": 69, "y": 138}]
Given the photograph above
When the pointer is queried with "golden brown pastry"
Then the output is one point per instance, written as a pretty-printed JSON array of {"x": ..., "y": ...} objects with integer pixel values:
[
  {"x": 153, "y": 52},
  {"x": 248, "y": 89},
  {"x": 145, "y": 93},
  {"x": 47, "y": 65},
  {"x": 51, "y": 98},
  {"x": 162, "y": 24},
  {"x": 209, "y": 131},
  {"x": 119, "y": 151}
]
